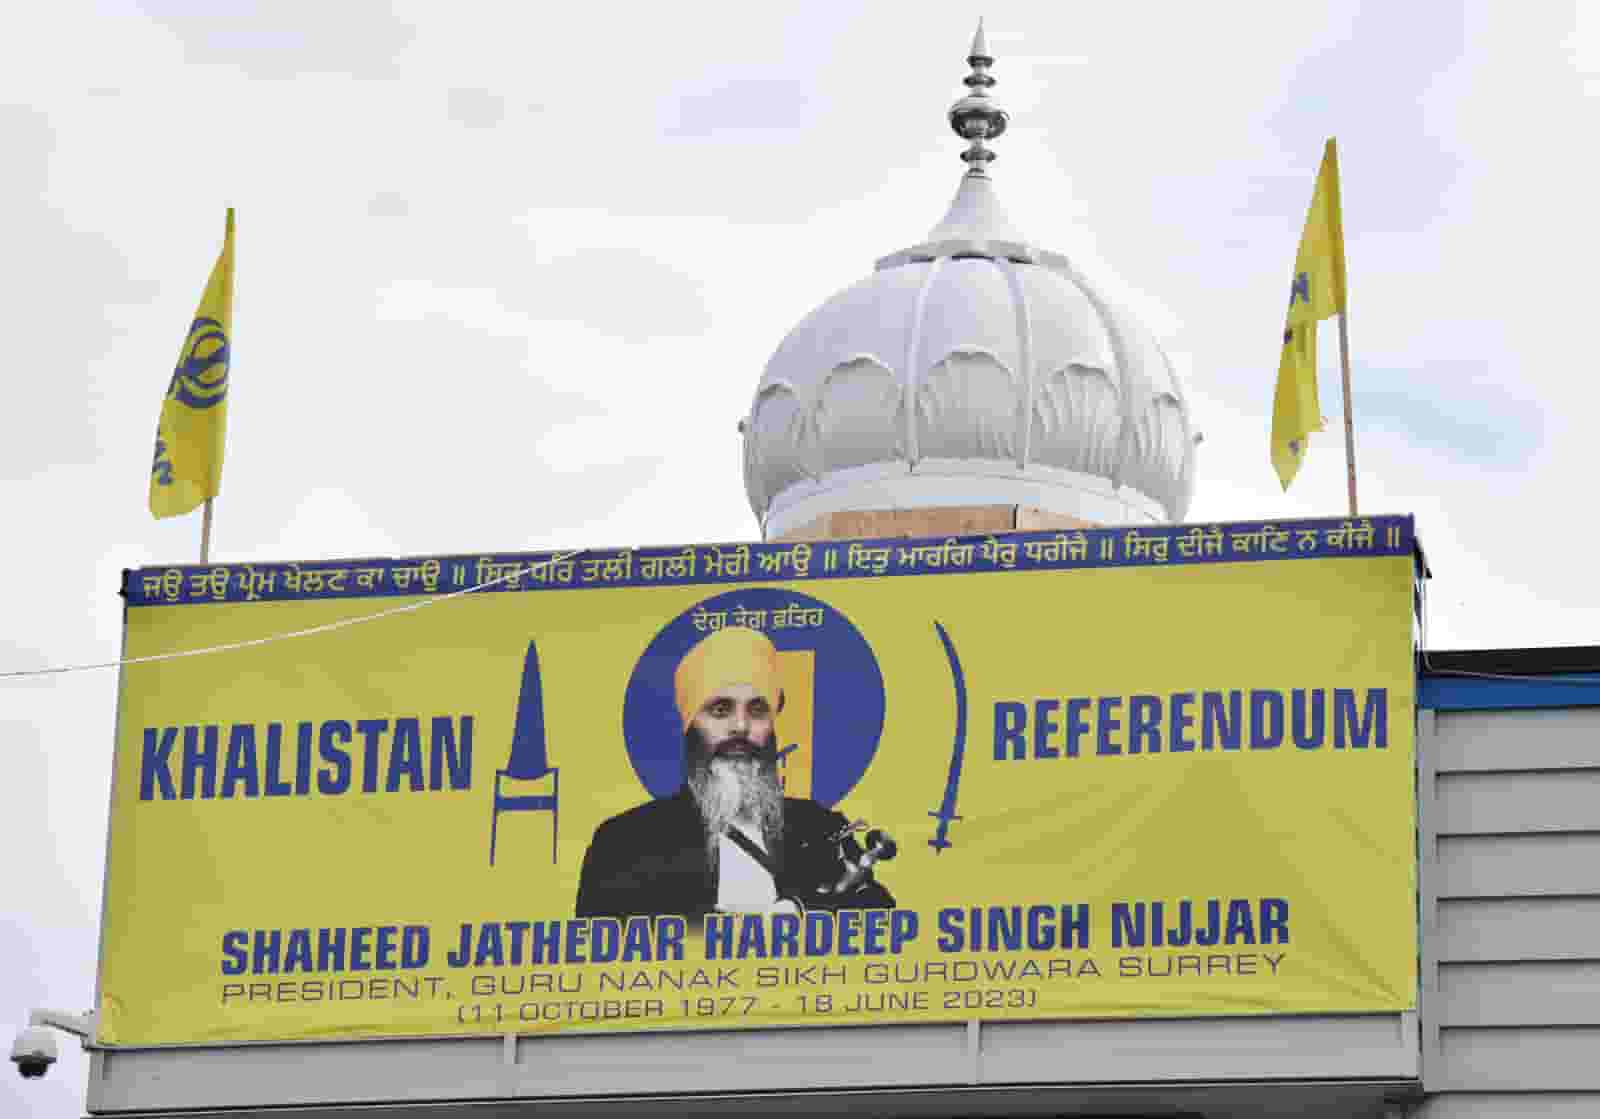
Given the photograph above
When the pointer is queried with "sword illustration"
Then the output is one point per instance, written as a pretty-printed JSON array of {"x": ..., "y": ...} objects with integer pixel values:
[{"x": 946, "y": 812}]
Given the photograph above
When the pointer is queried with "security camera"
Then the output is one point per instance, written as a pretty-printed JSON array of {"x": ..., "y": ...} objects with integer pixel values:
[{"x": 34, "y": 1052}]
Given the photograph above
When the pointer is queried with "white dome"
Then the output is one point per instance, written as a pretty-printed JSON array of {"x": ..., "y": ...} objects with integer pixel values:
[{"x": 972, "y": 369}]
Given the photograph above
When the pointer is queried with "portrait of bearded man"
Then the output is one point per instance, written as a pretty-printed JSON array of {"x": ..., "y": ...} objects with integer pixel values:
[{"x": 728, "y": 840}]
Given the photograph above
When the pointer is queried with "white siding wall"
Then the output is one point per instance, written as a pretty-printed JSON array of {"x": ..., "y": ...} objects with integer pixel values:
[{"x": 1510, "y": 891}]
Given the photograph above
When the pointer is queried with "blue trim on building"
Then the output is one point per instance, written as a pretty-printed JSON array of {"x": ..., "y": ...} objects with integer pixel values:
[{"x": 1441, "y": 692}]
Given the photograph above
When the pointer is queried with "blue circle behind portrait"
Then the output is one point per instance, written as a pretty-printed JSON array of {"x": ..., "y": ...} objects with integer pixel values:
[{"x": 847, "y": 687}]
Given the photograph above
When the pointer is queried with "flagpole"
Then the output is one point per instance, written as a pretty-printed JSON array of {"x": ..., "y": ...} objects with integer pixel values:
[
  {"x": 1349, "y": 416},
  {"x": 205, "y": 520}
]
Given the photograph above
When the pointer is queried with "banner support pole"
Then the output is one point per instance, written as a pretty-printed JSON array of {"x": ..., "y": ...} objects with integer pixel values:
[
  {"x": 1349, "y": 415},
  {"x": 205, "y": 526}
]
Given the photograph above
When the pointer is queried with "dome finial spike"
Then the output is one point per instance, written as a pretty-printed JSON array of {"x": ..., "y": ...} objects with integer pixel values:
[
  {"x": 980, "y": 48},
  {"x": 976, "y": 118}
]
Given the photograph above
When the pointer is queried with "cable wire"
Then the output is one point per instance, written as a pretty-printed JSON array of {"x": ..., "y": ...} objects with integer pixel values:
[
  {"x": 1571, "y": 680},
  {"x": 406, "y": 608},
  {"x": 1557, "y": 680},
  {"x": 326, "y": 627}
]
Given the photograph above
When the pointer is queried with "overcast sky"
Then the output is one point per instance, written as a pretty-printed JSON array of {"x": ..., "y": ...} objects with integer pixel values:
[{"x": 508, "y": 274}]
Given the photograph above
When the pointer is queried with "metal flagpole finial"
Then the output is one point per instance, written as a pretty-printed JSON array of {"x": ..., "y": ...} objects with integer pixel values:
[{"x": 976, "y": 118}]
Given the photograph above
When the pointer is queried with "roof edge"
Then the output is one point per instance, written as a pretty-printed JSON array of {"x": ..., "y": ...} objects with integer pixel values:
[{"x": 1553, "y": 660}]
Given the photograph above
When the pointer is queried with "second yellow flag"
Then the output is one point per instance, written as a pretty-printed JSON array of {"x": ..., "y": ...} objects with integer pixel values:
[{"x": 1316, "y": 292}]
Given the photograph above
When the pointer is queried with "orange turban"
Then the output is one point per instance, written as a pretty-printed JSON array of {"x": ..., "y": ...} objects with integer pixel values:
[{"x": 732, "y": 655}]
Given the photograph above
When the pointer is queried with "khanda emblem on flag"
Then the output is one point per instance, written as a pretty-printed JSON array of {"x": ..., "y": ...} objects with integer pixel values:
[
  {"x": 201, "y": 378},
  {"x": 1300, "y": 292},
  {"x": 200, "y": 381}
]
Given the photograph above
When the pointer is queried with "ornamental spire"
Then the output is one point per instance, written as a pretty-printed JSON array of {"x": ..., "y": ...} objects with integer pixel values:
[{"x": 976, "y": 118}]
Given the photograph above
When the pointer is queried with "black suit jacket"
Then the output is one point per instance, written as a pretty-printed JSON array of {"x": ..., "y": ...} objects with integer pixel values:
[{"x": 653, "y": 860}]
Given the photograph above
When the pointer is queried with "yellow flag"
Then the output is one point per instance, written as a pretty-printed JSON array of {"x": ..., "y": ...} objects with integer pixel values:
[
  {"x": 1316, "y": 293},
  {"x": 194, "y": 416}
]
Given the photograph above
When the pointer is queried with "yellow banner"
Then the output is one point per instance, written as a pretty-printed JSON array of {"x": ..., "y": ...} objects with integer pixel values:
[{"x": 1128, "y": 790}]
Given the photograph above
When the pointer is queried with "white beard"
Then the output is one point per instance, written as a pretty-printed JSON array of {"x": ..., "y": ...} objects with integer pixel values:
[{"x": 739, "y": 790}]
